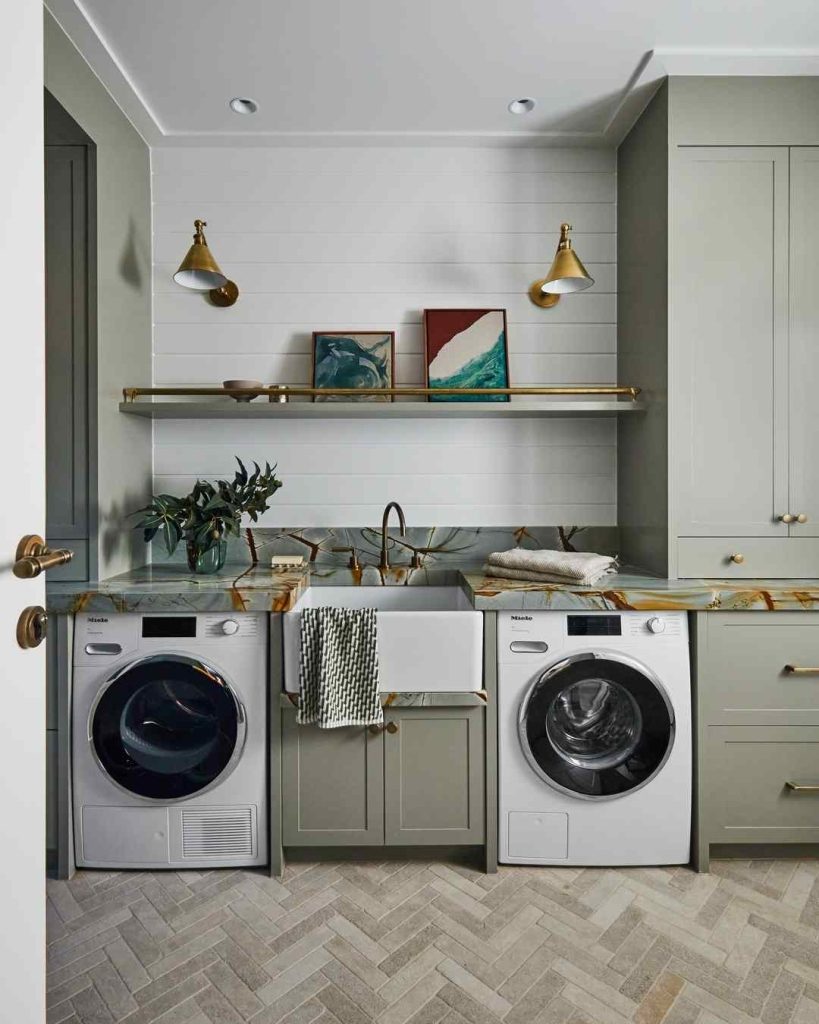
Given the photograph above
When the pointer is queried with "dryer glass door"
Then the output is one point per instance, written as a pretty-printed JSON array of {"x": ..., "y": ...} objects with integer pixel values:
[
  {"x": 596, "y": 725},
  {"x": 167, "y": 727}
]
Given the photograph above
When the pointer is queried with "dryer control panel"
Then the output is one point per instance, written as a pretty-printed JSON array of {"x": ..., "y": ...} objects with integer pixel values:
[{"x": 103, "y": 637}]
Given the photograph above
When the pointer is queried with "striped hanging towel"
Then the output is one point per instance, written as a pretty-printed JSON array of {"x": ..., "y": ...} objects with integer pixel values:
[{"x": 338, "y": 669}]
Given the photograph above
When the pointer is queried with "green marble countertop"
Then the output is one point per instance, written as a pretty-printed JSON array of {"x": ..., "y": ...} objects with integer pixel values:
[
  {"x": 627, "y": 591},
  {"x": 174, "y": 588},
  {"x": 240, "y": 588}
]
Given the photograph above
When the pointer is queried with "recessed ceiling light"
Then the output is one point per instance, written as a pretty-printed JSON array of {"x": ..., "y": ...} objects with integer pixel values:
[
  {"x": 521, "y": 106},
  {"x": 243, "y": 105}
]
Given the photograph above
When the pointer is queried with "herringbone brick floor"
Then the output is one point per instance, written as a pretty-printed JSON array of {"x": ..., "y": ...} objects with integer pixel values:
[{"x": 430, "y": 942}]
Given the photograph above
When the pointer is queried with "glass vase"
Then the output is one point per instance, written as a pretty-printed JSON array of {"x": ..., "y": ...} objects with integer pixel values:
[{"x": 206, "y": 562}]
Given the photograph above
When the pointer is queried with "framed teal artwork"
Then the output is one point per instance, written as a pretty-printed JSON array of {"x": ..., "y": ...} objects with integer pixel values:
[
  {"x": 466, "y": 348},
  {"x": 353, "y": 359}
]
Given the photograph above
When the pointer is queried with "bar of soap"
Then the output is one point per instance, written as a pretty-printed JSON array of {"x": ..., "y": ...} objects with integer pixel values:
[{"x": 287, "y": 561}]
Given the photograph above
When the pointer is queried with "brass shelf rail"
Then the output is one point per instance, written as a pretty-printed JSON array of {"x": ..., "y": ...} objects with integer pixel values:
[{"x": 278, "y": 393}]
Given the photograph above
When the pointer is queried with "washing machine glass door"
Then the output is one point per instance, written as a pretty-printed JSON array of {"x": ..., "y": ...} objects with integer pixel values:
[
  {"x": 167, "y": 727},
  {"x": 596, "y": 725}
]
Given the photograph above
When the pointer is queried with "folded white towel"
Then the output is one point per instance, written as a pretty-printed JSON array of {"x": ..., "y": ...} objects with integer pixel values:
[{"x": 583, "y": 568}]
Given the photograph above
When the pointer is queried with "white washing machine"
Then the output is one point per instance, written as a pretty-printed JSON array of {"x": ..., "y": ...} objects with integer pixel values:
[
  {"x": 594, "y": 738},
  {"x": 169, "y": 739}
]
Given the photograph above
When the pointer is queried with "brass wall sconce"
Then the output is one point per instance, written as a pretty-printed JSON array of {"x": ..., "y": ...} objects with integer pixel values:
[
  {"x": 200, "y": 272},
  {"x": 566, "y": 274}
]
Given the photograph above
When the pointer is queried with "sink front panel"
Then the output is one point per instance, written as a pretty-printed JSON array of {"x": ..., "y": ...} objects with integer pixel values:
[{"x": 435, "y": 651}]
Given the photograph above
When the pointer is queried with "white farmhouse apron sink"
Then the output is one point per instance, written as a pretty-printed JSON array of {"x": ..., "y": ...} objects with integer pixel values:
[{"x": 430, "y": 639}]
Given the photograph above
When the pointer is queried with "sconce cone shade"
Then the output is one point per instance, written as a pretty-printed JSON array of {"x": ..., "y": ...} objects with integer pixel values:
[
  {"x": 566, "y": 274},
  {"x": 200, "y": 272}
]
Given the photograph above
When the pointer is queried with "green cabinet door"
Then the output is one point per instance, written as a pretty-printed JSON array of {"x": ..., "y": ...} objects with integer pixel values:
[
  {"x": 434, "y": 776},
  {"x": 332, "y": 785}
]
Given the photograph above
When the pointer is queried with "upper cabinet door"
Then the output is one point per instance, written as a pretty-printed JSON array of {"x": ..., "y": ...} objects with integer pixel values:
[
  {"x": 729, "y": 321},
  {"x": 804, "y": 341}
]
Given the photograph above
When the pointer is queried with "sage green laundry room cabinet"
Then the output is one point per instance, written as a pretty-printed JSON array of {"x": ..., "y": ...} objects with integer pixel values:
[
  {"x": 756, "y": 676},
  {"x": 419, "y": 780},
  {"x": 743, "y": 262},
  {"x": 718, "y": 320}
]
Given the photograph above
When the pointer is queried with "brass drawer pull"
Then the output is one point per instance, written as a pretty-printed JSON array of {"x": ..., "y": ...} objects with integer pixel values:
[
  {"x": 737, "y": 559},
  {"x": 375, "y": 729},
  {"x": 802, "y": 670},
  {"x": 803, "y": 787},
  {"x": 392, "y": 727}
]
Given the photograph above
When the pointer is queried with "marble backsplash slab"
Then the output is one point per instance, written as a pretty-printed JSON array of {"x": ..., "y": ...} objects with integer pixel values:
[{"x": 442, "y": 549}]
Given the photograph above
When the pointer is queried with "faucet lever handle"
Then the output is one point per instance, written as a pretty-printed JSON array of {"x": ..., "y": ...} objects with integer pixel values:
[{"x": 353, "y": 563}]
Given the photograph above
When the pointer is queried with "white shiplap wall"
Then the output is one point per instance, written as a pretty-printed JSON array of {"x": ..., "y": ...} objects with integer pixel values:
[{"x": 336, "y": 238}]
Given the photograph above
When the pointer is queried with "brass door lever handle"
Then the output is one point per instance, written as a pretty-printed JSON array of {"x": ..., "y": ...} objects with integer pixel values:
[{"x": 34, "y": 557}]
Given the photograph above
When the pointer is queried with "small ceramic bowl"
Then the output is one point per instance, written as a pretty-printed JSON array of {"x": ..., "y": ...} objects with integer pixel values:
[{"x": 242, "y": 385}]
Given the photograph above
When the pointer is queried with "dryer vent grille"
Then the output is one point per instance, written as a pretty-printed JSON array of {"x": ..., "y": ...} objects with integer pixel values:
[{"x": 218, "y": 832}]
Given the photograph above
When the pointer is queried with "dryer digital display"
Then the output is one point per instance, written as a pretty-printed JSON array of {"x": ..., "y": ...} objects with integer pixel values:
[{"x": 164, "y": 626}]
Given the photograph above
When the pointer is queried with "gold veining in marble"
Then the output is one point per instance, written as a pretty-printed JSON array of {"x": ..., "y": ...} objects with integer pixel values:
[{"x": 641, "y": 593}]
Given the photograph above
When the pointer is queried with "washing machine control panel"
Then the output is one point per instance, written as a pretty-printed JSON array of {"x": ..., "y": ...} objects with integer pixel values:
[{"x": 524, "y": 636}]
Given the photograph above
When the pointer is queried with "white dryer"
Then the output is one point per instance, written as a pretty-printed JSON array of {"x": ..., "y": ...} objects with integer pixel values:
[
  {"x": 169, "y": 721},
  {"x": 594, "y": 738}
]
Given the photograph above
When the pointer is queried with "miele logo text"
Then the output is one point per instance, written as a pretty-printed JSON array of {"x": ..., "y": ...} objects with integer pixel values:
[
  {"x": 92, "y": 619},
  {"x": 521, "y": 618}
]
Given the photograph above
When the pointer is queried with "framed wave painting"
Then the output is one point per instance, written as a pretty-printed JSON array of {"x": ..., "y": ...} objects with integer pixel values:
[
  {"x": 466, "y": 348},
  {"x": 353, "y": 359}
]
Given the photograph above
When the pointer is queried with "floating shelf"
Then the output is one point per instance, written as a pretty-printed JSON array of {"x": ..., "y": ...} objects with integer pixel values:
[
  {"x": 555, "y": 400},
  {"x": 375, "y": 410}
]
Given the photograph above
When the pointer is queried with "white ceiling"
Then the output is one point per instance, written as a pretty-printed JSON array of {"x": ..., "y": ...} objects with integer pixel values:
[{"x": 435, "y": 70}]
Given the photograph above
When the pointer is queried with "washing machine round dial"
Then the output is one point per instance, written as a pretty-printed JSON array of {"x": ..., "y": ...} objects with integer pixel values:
[
  {"x": 230, "y": 627},
  {"x": 656, "y": 625}
]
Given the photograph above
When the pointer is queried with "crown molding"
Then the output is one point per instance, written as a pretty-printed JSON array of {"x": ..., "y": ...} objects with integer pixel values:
[
  {"x": 79, "y": 26},
  {"x": 751, "y": 63},
  {"x": 651, "y": 70}
]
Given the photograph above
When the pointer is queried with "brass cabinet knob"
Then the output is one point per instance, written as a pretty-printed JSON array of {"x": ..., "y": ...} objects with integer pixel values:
[
  {"x": 737, "y": 559},
  {"x": 392, "y": 727},
  {"x": 801, "y": 518},
  {"x": 375, "y": 729},
  {"x": 787, "y": 518}
]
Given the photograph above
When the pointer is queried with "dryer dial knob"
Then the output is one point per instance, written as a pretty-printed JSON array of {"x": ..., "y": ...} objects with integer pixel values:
[
  {"x": 656, "y": 625},
  {"x": 230, "y": 627}
]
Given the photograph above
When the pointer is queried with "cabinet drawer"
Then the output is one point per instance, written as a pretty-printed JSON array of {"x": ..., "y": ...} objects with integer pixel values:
[
  {"x": 746, "y": 796},
  {"x": 771, "y": 557},
  {"x": 742, "y": 673}
]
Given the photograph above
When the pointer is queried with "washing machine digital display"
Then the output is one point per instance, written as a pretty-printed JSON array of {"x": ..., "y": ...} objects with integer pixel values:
[
  {"x": 596, "y": 725},
  {"x": 166, "y": 727},
  {"x": 593, "y": 625}
]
